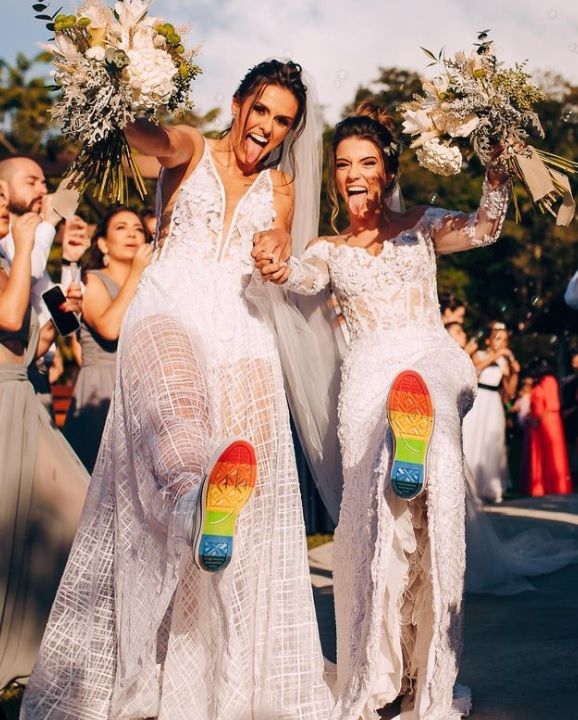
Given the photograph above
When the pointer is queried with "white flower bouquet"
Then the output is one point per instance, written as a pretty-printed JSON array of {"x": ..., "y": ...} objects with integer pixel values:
[
  {"x": 112, "y": 65},
  {"x": 477, "y": 106}
]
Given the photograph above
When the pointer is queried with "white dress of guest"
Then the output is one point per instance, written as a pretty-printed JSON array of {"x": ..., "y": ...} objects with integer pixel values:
[{"x": 485, "y": 435}]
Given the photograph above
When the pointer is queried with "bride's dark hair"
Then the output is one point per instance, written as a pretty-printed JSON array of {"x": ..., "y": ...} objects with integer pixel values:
[
  {"x": 368, "y": 122},
  {"x": 287, "y": 75}
]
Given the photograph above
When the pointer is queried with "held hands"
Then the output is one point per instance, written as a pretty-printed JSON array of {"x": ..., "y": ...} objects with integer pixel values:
[
  {"x": 23, "y": 230},
  {"x": 271, "y": 250},
  {"x": 142, "y": 259}
]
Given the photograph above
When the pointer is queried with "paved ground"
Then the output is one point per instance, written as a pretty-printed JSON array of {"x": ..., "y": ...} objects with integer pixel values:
[{"x": 521, "y": 652}]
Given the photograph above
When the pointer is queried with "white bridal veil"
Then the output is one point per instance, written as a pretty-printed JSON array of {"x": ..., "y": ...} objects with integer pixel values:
[{"x": 309, "y": 338}]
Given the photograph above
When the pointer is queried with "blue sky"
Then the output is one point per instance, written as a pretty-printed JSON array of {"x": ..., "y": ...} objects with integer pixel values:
[{"x": 341, "y": 42}]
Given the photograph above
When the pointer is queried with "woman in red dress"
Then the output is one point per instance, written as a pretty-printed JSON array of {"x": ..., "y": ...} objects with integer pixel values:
[{"x": 549, "y": 472}]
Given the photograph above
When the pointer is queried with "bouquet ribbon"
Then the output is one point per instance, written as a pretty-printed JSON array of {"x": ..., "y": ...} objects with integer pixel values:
[{"x": 542, "y": 182}]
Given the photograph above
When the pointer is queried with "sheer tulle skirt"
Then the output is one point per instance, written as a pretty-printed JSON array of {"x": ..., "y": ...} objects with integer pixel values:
[{"x": 149, "y": 635}]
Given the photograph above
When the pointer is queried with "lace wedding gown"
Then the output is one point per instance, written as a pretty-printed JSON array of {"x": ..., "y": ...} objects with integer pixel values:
[
  {"x": 136, "y": 630},
  {"x": 399, "y": 566}
]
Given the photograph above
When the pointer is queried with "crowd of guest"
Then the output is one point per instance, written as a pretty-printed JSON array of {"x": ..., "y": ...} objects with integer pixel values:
[{"x": 510, "y": 401}]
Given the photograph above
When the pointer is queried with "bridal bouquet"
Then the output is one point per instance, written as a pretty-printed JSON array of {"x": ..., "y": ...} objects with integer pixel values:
[
  {"x": 478, "y": 106},
  {"x": 112, "y": 65}
]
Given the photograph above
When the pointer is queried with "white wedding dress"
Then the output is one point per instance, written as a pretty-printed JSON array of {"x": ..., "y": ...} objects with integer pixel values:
[
  {"x": 485, "y": 435},
  {"x": 398, "y": 566},
  {"x": 136, "y": 630}
]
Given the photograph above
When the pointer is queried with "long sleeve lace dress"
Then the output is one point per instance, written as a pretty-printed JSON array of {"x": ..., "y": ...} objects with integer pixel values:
[{"x": 398, "y": 565}]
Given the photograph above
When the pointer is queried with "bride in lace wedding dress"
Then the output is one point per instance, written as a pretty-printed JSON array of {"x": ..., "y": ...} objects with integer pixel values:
[
  {"x": 137, "y": 631},
  {"x": 398, "y": 565}
]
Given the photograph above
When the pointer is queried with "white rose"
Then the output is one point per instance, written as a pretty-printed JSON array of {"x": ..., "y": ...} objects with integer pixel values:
[
  {"x": 416, "y": 122},
  {"x": 96, "y": 53},
  {"x": 150, "y": 76},
  {"x": 461, "y": 127},
  {"x": 440, "y": 159}
]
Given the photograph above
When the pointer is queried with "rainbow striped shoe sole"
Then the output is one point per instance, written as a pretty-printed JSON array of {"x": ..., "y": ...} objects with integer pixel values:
[
  {"x": 227, "y": 486},
  {"x": 410, "y": 412}
]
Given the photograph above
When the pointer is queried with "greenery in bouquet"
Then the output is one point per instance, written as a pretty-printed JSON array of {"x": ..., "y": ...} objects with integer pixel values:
[
  {"x": 478, "y": 106},
  {"x": 112, "y": 65}
]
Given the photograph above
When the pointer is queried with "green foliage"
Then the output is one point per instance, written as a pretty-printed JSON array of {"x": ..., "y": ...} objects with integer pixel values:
[
  {"x": 42, "y": 13},
  {"x": 24, "y": 105}
]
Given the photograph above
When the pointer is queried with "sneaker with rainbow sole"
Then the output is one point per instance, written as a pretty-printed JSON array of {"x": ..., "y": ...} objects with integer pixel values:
[
  {"x": 410, "y": 413},
  {"x": 227, "y": 486}
]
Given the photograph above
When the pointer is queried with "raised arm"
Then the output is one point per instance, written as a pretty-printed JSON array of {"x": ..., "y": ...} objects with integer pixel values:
[
  {"x": 456, "y": 232},
  {"x": 105, "y": 315},
  {"x": 172, "y": 146},
  {"x": 15, "y": 296}
]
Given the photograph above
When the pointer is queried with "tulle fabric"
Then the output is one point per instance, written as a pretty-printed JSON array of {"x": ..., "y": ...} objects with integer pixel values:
[{"x": 502, "y": 567}]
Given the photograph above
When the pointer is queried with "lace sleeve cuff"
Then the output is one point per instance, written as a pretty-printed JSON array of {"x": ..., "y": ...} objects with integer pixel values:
[
  {"x": 488, "y": 221},
  {"x": 310, "y": 274}
]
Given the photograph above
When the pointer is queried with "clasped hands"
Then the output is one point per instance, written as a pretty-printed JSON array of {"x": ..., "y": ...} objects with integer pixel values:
[{"x": 271, "y": 251}]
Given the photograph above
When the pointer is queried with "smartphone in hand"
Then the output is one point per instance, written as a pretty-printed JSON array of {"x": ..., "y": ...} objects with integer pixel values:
[{"x": 66, "y": 322}]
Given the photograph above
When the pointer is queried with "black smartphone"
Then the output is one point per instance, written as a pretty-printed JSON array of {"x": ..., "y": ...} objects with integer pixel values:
[{"x": 66, "y": 322}]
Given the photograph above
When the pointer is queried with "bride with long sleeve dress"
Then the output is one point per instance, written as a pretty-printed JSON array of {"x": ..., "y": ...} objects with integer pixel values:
[{"x": 398, "y": 565}]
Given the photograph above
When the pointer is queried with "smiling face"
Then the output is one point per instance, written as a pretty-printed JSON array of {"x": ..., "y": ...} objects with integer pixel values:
[
  {"x": 360, "y": 175},
  {"x": 124, "y": 235},
  {"x": 261, "y": 123},
  {"x": 4, "y": 214}
]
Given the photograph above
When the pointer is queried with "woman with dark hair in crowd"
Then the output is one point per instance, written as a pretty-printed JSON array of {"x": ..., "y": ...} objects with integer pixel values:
[
  {"x": 399, "y": 550},
  {"x": 143, "y": 624},
  {"x": 42, "y": 483},
  {"x": 120, "y": 251}
]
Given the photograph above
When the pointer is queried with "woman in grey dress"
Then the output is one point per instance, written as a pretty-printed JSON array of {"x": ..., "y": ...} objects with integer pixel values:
[
  {"x": 120, "y": 251},
  {"x": 42, "y": 483}
]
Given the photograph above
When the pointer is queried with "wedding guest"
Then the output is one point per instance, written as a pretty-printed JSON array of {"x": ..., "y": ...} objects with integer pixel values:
[
  {"x": 120, "y": 251},
  {"x": 485, "y": 425},
  {"x": 548, "y": 471},
  {"x": 42, "y": 483},
  {"x": 27, "y": 192},
  {"x": 452, "y": 309}
]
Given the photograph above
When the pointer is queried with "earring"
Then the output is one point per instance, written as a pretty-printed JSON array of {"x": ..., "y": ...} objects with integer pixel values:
[{"x": 105, "y": 260}]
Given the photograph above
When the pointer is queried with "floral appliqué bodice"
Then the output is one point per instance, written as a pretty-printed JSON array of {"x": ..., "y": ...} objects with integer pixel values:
[
  {"x": 398, "y": 287},
  {"x": 196, "y": 232}
]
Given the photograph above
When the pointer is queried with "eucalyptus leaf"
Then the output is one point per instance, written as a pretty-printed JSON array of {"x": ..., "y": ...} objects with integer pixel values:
[{"x": 429, "y": 54}]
